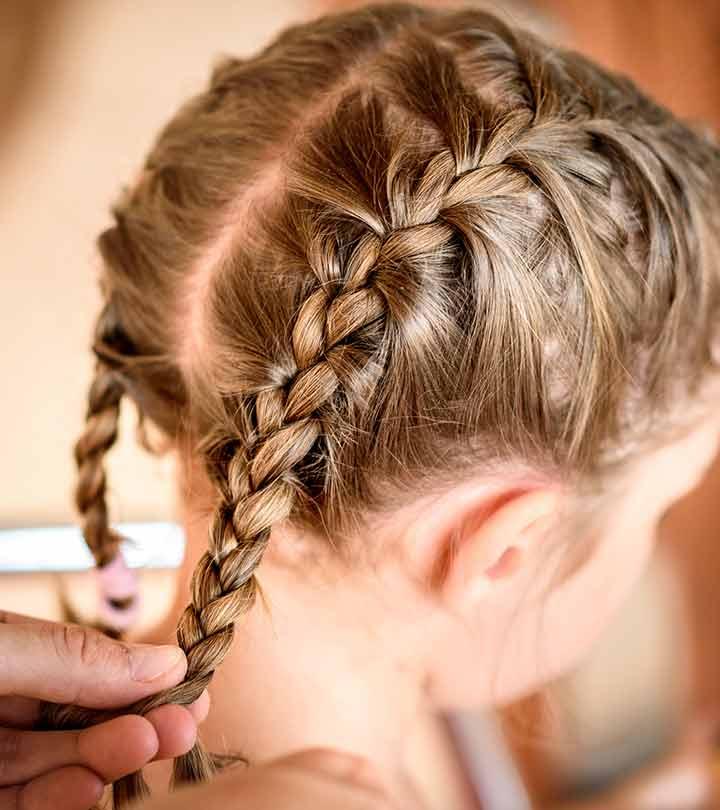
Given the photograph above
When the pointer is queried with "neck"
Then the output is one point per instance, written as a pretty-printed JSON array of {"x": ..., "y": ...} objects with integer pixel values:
[{"x": 296, "y": 680}]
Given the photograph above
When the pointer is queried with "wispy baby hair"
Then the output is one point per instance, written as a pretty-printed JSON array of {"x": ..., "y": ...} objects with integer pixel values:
[{"x": 397, "y": 245}]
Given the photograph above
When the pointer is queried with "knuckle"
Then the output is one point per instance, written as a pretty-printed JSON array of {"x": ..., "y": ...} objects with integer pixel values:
[
  {"x": 74, "y": 644},
  {"x": 86, "y": 647}
]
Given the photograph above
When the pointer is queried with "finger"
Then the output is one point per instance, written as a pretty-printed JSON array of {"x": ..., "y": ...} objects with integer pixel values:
[
  {"x": 7, "y": 617},
  {"x": 111, "y": 750},
  {"x": 37, "y": 752},
  {"x": 176, "y": 726},
  {"x": 176, "y": 730},
  {"x": 19, "y": 712},
  {"x": 65, "y": 663},
  {"x": 66, "y": 789},
  {"x": 118, "y": 747},
  {"x": 200, "y": 709}
]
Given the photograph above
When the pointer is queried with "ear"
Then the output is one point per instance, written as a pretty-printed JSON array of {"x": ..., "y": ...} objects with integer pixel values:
[{"x": 471, "y": 542}]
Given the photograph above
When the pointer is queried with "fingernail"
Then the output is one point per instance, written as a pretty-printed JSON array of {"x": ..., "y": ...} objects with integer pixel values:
[{"x": 148, "y": 662}]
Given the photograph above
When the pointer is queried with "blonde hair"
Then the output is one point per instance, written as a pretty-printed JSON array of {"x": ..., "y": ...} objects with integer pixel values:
[{"x": 398, "y": 243}]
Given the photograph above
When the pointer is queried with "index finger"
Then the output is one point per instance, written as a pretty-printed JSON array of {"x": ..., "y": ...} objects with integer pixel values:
[
  {"x": 65, "y": 663},
  {"x": 8, "y": 617},
  {"x": 18, "y": 712}
]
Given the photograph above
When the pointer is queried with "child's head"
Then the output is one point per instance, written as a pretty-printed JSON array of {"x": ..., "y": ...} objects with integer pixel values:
[{"x": 422, "y": 285}]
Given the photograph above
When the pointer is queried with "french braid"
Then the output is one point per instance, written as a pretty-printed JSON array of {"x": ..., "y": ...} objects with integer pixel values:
[
  {"x": 259, "y": 484},
  {"x": 430, "y": 294}
]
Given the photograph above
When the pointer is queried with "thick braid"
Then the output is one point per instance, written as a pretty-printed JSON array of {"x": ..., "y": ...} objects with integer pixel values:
[
  {"x": 262, "y": 481},
  {"x": 258, "y": 487},
  {"x": 374, "y": 287}
]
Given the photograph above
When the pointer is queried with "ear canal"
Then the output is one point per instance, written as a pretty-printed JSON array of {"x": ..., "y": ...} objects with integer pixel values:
[{"x": 506, "y": 564}]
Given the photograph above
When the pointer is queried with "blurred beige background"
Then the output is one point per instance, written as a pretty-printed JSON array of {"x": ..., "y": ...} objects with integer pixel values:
[{"x": 106, "y": 76}]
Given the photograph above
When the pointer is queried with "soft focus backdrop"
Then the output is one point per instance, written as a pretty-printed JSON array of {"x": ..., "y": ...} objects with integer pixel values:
[{"x": 87, "y": 85}]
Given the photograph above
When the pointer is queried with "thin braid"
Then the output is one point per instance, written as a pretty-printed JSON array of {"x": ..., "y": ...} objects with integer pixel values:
[
  {"x": 117, "y": 585},
  {"x": 100, "y": 434}
]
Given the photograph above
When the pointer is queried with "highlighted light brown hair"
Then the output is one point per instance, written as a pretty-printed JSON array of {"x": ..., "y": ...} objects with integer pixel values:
[{"x": 396, "y": 245}]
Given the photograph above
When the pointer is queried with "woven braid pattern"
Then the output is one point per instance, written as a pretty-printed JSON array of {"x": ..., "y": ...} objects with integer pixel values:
[
  {"x": 260, "y": 486},
  {"x": 463, "y": 187},
  {"x": 99, "y": 436},
  {"x": 484, "y": 262}
]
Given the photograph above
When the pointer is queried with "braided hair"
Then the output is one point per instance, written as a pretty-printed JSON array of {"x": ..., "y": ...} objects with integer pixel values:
[{"x": 415, "y": 242}]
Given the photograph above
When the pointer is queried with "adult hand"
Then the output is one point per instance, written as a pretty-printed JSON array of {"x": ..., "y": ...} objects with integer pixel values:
[
  {"x": 67, "y": 770},
  {"x": 321, "y": 779}
]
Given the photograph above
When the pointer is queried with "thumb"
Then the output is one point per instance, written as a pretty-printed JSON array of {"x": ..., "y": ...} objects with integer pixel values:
[{"x": 65, "y": 663}]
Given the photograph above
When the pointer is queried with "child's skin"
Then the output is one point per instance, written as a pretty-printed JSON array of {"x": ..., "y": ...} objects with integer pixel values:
[
  {"x": 364, "y": 656},
  {"x": 321, "y": 780}
]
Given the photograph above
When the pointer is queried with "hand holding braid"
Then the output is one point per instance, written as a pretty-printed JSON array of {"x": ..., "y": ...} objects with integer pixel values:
[
  {"x": 364, "y": 285},
  {"x": 260, "y": 482},
  {"x": 429, "y": 245}
]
